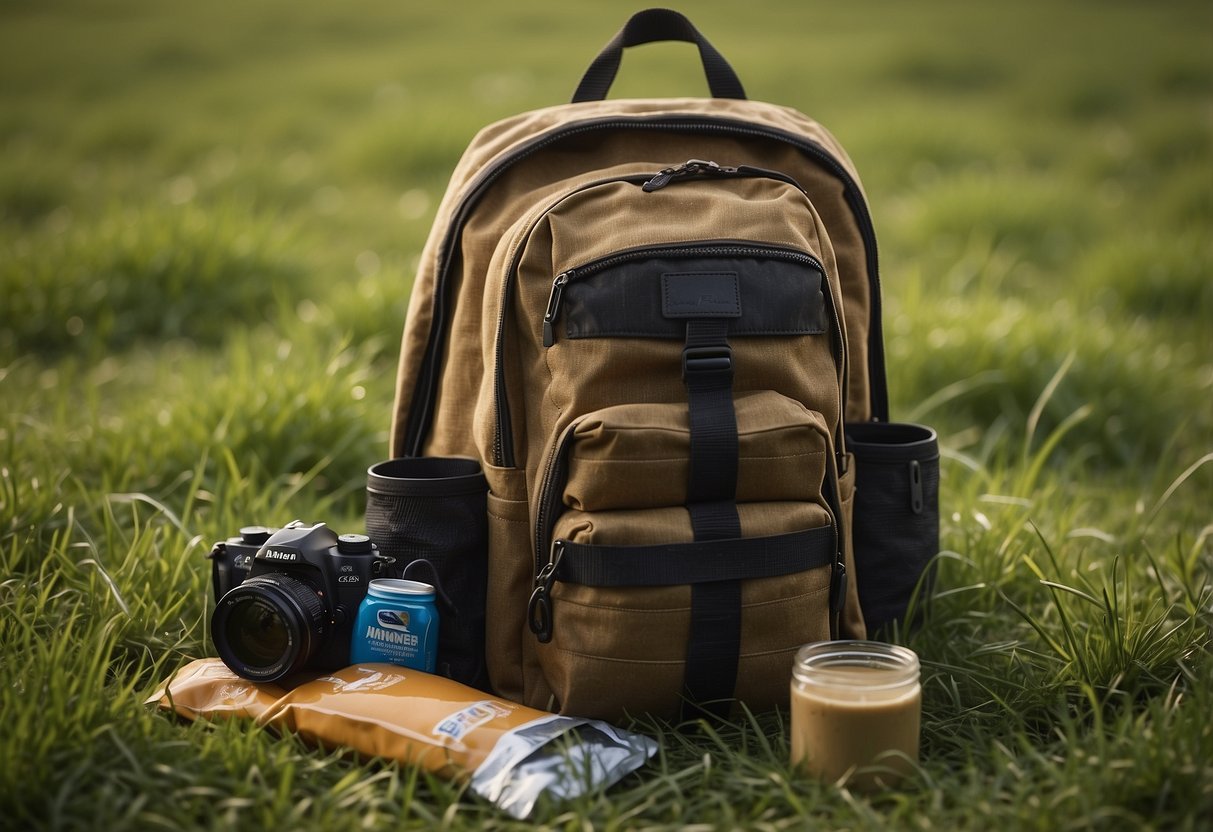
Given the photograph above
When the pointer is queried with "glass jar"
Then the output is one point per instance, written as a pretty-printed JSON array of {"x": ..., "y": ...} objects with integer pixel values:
[{"x": 856, "y": 710}]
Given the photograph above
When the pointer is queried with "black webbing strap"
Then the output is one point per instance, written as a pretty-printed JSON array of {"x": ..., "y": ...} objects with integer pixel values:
[
  {"x": 707, "y": 371},
  {"x": 707, "y": 561},
  {"x": 715, "y": 637}
]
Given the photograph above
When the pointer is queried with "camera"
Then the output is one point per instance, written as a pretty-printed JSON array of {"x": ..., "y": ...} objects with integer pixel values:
[
  {"x": 286, "y": 600},
  {"x": 232, "y": 559}
]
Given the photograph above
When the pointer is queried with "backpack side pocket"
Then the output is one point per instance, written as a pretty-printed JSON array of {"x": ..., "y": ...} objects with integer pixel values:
[
  {"x": 509, "y": 575},
  {"x": 896, "y": 522}
]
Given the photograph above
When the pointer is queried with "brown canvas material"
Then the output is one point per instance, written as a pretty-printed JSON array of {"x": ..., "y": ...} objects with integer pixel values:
[
  {"x": 546, "y": 172},
  {"x": 635, "y": 456},
  {"x": 621, "y": 401}
]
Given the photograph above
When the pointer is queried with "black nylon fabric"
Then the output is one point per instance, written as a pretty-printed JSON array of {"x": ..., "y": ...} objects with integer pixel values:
[
  {"x": 896, "y": 521},
  {"x": 708, "y": 373},
  {"x": 778, "y": 297},
  {"x": 450, "y": 530}
]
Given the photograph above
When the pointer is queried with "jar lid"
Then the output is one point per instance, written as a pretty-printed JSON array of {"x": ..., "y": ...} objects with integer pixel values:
[
  {"x": 399, "y": 588},
  {"x": 866, "y": 665}
]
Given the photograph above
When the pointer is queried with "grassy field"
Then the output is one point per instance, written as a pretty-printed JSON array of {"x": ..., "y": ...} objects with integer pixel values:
[{"x": 210, "y": 215}]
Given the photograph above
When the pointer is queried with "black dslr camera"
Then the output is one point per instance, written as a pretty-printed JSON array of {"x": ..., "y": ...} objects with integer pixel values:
[{"x": 286, "y": 600}]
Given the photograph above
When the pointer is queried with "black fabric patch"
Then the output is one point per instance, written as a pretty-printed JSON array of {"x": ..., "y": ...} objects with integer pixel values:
[
  {"x": 700, "y": 295},
  {"x": 776, "y": 297}
]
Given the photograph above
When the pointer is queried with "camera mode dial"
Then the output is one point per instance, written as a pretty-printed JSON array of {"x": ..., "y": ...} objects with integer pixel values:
[
  {"x": 255, "y": 535},
  {"x": 354, "y": 544}
]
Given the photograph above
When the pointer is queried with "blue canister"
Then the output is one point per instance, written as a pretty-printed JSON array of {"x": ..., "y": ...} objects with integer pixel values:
[{"x": 397, "y": 623}]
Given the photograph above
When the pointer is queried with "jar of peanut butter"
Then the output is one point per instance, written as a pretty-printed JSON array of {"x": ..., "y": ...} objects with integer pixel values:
[{"x": 856, "y": 708}]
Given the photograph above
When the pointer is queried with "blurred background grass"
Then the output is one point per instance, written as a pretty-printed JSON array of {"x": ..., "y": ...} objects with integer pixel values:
[
  {"x": 210, "y": 215},
  {"x": 1040, "y": 176}
]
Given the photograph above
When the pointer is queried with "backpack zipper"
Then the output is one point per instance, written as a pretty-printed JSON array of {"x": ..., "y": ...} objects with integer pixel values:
[
  {"x": 539, "y": 608},
  {"x": 417, "y": 424},
  {"x": 701, "y": 168}
]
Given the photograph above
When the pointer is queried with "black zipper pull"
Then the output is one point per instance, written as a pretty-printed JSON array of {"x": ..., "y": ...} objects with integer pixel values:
[
  {"x": 700, "y": 167},
  {"x": 549, "y": 317},
  {"x": 659, "y": 180},
  {"x": 838, "y": 597},
  {"x": 539, "y": 608},
  {"x": 692, "y": 167},
  {"x": 916, "y": 499}
]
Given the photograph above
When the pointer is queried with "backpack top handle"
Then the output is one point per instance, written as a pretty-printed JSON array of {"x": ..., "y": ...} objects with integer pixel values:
[{"x": 649, "y": 26}]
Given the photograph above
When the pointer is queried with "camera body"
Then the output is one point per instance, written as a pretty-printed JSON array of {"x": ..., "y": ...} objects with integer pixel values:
[
  {"x": 290, "y": 603},
  {"x": 232, "y": 559}
]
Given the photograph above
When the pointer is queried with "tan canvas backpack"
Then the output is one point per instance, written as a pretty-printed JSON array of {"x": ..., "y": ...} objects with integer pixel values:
[{"x": 650, "y": 320}]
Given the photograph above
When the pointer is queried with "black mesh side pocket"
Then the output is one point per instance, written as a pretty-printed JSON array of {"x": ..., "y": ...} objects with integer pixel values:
[
  {"x": 896, "y": 522},
  {"x": 433, "y": 509}
]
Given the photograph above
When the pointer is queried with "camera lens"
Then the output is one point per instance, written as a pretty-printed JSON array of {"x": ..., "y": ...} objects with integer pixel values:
[{"x": 268, "y": 627}]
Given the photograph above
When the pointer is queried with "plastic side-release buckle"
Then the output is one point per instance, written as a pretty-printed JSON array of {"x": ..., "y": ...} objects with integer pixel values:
[{"x": 708, "y": 359}]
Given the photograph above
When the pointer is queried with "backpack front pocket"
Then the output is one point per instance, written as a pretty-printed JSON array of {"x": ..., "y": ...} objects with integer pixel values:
[
  {"x": 638, "y": 455},
  {"x": 703, "y": 527},
  {"x": 614, "y": 607},
  {"x": 599, "y": 289}
]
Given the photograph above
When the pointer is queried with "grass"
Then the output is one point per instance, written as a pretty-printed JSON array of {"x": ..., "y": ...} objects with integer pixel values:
[{"x": 209, "y": 219}]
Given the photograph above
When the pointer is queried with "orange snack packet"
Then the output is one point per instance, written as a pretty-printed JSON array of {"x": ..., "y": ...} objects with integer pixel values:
[
  {"x": 397, "y": 713},
  {"x": 207, "y": 689}
]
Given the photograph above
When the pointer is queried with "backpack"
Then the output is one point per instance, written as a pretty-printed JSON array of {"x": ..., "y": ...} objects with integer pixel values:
[{"x": 650, "y": 321}]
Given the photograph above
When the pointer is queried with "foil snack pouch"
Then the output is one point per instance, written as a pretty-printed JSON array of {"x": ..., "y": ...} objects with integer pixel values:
[{"x": 508, "y": 751}]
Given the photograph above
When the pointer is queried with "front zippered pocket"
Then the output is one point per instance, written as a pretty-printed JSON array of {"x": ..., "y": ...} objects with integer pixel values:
[
  {"x": 721, "y": 249},
  {"x": 757, "y": 229},
  {"x": 617, "y": 561},
  {"x": 635, "y": 458},
  {"x": 785, "y": 292},
  {"x": 693, "y": 171}
]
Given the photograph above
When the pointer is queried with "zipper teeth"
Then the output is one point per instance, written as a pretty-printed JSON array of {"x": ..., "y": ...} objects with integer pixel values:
[
  {"x": 679, "y": 250},
  {"x": 420, "y": 409},
  {"x": 546, "y": 494}
]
